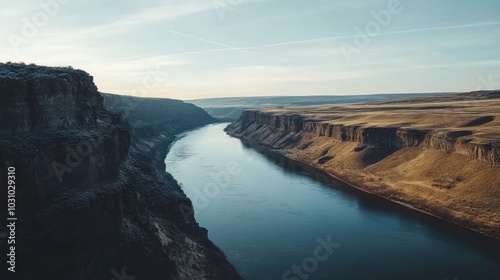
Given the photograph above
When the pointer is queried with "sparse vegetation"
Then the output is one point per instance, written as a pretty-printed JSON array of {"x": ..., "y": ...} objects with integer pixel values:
[
  {"x": 412, "y": 152},
  {"x": 10, "y": 70}
]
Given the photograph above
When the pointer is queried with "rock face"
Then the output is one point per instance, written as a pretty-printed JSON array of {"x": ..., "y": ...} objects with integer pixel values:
[
  {"x": 32, "y": 98},
  {"x": 388, "y": 138},
  {"x": 93, "y": 199},
  {"x": 439, "y": 155}
]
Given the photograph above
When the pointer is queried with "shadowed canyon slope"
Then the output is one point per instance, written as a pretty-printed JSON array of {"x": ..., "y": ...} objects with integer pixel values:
[
  {"x": 440, "y": 155},
  {"x": 93, "y": 198}
]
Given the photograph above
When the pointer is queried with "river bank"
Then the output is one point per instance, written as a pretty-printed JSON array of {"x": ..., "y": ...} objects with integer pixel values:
[
  {"x": 420, "y": 153},
  {"x": 268, "y": 213}
]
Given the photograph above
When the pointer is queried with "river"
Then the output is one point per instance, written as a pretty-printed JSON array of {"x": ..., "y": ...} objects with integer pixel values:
[{"x": 277, "y": 219}]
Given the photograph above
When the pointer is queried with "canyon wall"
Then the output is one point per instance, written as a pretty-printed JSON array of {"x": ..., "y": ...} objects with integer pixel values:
[
  {"x": 420, "y": 153},
  {"x": 93, "y": 199},
  {"x": 388, "y": 138}
]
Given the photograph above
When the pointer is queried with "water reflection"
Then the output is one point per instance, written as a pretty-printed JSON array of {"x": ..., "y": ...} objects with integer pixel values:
[{"x": 274, "y": 210}]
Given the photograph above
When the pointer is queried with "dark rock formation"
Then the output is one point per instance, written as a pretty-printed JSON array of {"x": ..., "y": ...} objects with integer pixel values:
[{"x": 93, "y": 200}]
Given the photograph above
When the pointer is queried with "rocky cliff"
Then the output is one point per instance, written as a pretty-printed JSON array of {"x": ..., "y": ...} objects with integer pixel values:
[
  {"x": 438, "y": 155},
  {"x": 383, "y": 137},
  {"x": 93, "y": 200}
]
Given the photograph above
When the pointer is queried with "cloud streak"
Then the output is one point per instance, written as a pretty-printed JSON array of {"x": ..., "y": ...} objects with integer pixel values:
[
  {"x": 408, "y": 31},
  {"x": 265, "y": 47},
  {"x": 228, "y": 47},
  {"x": 145, "y": 17}
]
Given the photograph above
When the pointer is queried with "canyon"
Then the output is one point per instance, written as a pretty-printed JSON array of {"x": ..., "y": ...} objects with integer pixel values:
[
  {"x": 93, "y": 198},
  {"x": 438, "y": 155},
  {"x": 94, "y": 201},
  {"x": 230, "y": 108}
]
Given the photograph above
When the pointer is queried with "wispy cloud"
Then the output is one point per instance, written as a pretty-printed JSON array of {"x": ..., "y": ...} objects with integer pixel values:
[
  {"x": 461, "y": 26},
  {"x": 445, "y": 65},
  {"x": 145, "y": 17},
  {"x": 414, "y": 30},
  {"x": 162, "y": 12},
  {"x": 264, "y": 46},
  {"x": 228, "y": 47}
]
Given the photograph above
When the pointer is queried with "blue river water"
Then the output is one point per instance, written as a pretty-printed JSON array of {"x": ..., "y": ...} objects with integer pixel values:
[{"x": 278, "y": 219}]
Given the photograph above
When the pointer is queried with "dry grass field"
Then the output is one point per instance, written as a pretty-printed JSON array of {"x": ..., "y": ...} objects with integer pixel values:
[{"x": 437, "y": 155}]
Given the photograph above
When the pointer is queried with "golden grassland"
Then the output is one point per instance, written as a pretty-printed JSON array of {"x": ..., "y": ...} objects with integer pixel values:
[{"x": 445, "y": 184}]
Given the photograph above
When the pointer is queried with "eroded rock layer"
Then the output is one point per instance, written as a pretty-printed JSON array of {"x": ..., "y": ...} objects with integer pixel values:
[
  {"x": 439, "y": 155},
  {"x": 93, "y": 199}
]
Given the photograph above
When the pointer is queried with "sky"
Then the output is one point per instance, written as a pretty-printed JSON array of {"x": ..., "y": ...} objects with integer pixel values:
[{"x": 189, "y": 49}]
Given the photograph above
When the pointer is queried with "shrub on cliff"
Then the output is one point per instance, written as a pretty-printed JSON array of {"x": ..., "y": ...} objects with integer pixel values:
[{"x": 11, "y": 71}]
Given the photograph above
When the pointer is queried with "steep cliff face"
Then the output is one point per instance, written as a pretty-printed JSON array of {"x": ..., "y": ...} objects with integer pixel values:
[
  {"x": 388, "y": 138},
  {"x": 157, "y": 114},
  {"x": 93, "y": 200},
  {"x": 439, "y": 156},
  {"x": 50, "y": 98},
  {"x": 57, "y": 133}
]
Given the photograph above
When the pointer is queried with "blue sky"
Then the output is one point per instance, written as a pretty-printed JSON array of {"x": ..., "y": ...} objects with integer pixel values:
[{"x": 190, "y": 49}]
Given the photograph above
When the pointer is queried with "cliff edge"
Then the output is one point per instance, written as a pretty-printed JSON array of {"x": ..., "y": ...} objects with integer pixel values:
[{"x": 93, "y": 200}]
